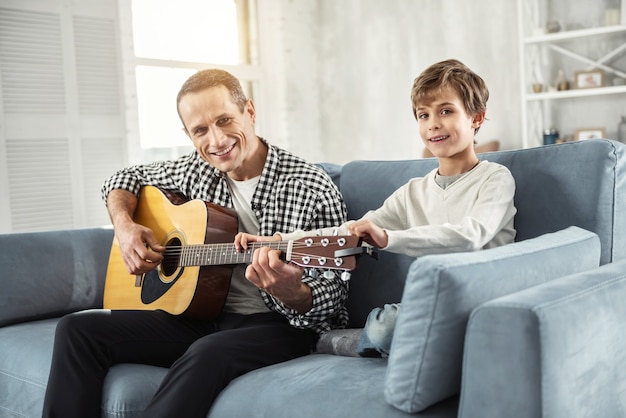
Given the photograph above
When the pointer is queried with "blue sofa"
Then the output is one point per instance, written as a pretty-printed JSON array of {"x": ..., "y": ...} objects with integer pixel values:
[{"x": 531, "y": 329}]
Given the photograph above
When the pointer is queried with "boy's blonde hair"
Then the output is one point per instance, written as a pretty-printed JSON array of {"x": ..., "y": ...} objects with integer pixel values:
[{"x": 453, "y": 74}]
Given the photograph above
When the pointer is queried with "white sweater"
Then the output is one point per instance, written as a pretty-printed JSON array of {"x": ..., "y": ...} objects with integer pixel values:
[{"x": 473, "y": 213}]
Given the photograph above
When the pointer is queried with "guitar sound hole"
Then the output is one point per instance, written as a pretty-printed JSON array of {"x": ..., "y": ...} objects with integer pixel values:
[{"x": 169, "y": 265}]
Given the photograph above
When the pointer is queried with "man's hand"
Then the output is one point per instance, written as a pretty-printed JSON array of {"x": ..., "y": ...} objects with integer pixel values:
[
  {"x": 281, "y": 280},
  {"x": 371, "y": 233},
  {"x": 140, "y": 249},
  {"x": 242, "y": 239}
]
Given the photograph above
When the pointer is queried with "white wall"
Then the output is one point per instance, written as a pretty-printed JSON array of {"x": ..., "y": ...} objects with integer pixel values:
[{"x": 350, "y": 64}]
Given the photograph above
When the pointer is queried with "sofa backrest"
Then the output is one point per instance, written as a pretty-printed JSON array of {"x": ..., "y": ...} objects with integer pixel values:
[
  {"x": 48, "y": 274},
  {"x": 576, "y": 183}
]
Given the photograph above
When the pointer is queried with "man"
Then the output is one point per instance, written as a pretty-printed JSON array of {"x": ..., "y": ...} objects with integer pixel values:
[{"x": 274, "y": 312}]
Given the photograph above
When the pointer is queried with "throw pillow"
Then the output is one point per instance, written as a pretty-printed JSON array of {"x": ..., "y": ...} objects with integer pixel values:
[{"x": 442, "y": 290}]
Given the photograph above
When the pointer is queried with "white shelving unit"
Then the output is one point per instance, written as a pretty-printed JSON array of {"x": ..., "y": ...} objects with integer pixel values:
[{"x": 537, "y": 48}]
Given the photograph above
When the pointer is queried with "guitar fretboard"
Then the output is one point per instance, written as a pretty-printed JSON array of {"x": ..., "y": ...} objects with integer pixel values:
[{"x": 219, "y": 254}]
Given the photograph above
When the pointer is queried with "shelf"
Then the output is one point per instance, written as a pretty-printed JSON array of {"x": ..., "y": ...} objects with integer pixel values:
[
  {"x": 566, "y": 94},
  {"x": 573, "y": 34},
  {"x": 590, "y": 48}
]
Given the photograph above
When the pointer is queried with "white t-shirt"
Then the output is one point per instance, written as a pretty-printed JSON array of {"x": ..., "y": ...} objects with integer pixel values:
[{"x": 244, "y": 297}]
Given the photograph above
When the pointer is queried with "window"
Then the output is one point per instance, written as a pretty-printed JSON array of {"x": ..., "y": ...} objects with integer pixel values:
[
  {"x": 171, "y": 41},
  {"x": 82, "y": 81}
]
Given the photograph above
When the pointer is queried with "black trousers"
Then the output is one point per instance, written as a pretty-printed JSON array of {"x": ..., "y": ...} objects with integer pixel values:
[{"x": 203, "y": 357}]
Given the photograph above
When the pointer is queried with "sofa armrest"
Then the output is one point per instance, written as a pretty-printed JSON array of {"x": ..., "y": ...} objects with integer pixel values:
[
  {"x": 442, "y": 290},
  {"x": 47, "y": 274},
  {"x": 556, "y": 350}
]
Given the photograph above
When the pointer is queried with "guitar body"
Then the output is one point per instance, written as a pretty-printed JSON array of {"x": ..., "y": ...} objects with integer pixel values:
[{"x": 194, "y": 291}]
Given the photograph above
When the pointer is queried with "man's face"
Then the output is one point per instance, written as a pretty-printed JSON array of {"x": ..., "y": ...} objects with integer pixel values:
[{"x": 223, "y": 135}]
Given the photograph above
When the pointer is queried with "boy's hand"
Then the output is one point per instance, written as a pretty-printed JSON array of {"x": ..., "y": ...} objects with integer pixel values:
[
  {"x": 371, "y": 233},
  {"x": 242, "y": 239}
]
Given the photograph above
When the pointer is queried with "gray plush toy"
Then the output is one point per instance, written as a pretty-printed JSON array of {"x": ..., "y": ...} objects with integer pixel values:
[{"x": 375, "y": 340}]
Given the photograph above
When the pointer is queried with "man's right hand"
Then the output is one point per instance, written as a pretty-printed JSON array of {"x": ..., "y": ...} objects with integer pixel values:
[{"x": 140, "y": 249}]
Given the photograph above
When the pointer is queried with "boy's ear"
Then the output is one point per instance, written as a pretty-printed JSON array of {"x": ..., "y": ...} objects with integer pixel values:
[{"x": 478, "y": 120}]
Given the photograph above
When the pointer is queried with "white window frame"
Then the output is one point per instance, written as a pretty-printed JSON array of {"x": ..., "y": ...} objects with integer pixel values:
[{"x": 267, "y": 95}]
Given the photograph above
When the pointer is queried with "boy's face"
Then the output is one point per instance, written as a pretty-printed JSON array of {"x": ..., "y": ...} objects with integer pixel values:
[{"x": 445, "y": 126}]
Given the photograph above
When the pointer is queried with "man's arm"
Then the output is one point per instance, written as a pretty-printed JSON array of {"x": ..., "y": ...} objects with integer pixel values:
[
  {"x": 308, "y": 298},
  {"x": 140, "y": 249}
]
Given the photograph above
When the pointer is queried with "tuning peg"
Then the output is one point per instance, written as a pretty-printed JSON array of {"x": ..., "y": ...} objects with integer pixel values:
[
  {"x": 345, "y": 276},
  {"x": 328, "y": 274}
]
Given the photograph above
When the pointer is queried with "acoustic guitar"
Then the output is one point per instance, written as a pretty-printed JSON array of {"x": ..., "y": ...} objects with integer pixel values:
[{"x": 194, "y": 277}]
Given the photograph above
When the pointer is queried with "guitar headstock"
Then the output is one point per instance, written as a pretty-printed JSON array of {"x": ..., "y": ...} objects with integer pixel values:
[{"x": 325, "y": 252}]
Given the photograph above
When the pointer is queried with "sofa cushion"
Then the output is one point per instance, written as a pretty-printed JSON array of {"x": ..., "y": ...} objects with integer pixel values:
[
  {"x": 25, "y": 356},
  {"x": 555, "y": 350},
  {"x": 314, "y": 386},
  {"x": 333, "y": 170},
  {"x": 441, "y": 291},
  {"x": 48, "y": 274},
  {"x": 128, "y": 388}
]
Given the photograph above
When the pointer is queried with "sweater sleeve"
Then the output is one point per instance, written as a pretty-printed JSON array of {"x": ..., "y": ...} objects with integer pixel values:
[{"x": 479, "y": 218}]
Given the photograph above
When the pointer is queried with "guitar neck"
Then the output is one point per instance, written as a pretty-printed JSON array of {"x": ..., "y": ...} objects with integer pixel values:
[{"x": 222, "y": 254}]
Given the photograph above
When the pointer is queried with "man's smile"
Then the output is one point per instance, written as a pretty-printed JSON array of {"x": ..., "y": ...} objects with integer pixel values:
[{"x": 224, "y": 151}]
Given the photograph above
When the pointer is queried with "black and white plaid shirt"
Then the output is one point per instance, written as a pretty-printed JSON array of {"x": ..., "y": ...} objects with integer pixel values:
[{"x": 291, "y": 194}]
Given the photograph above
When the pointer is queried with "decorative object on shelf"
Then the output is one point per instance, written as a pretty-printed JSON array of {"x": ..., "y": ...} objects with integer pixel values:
[
  {"x": 589, "y": 79},
  {"x": 581, "y": 42},
  {"x": 550, "y": 136},
  {"x": 561, "y": 82},
  {"x": 553, "y": 26},
  {"x": 589, "y": 133},
  {"x": 621, "y": 130},
  {"x": 612, "y": 17},
  {"x": 537, "y": 88}
]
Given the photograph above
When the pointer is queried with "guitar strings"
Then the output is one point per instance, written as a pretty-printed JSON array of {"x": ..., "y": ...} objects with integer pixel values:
[{"x": 178, "y": 249}]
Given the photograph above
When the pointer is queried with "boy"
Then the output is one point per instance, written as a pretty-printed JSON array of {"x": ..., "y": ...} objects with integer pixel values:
[{"x": 463, "y": 205}]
